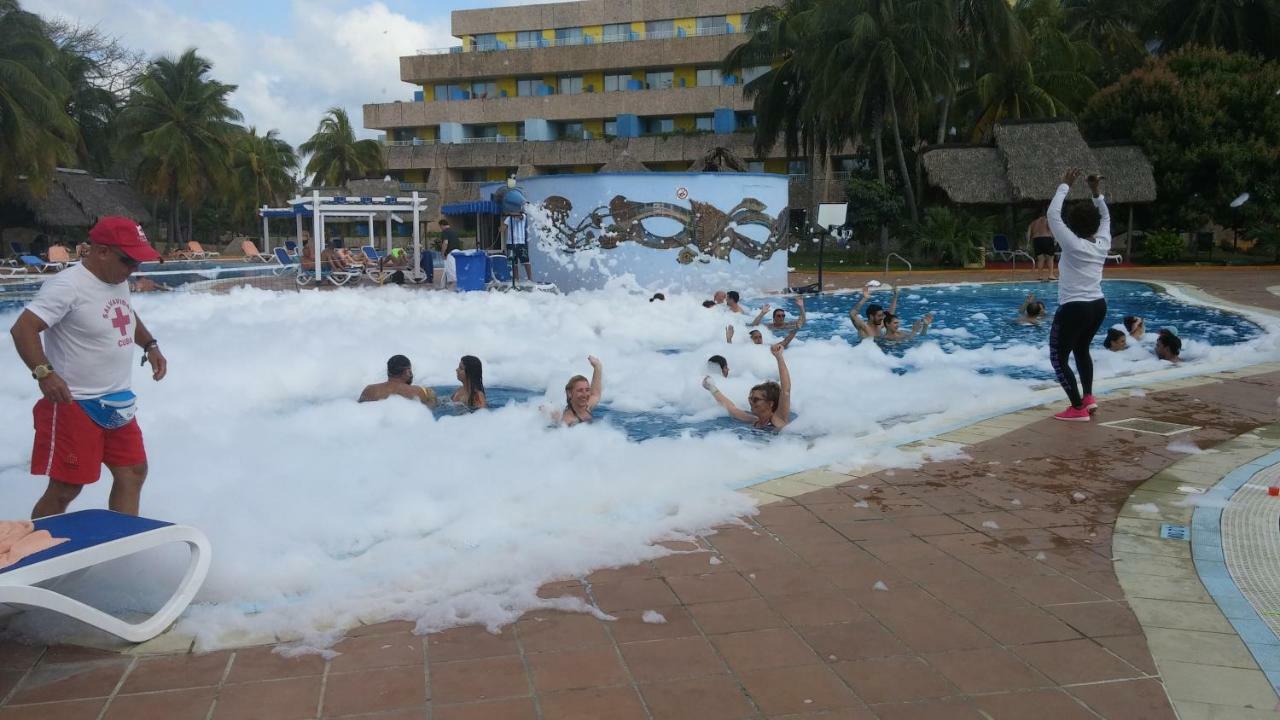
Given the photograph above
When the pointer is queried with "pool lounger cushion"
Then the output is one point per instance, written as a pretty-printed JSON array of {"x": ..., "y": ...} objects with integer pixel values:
[{"x": 95, "y": 537}]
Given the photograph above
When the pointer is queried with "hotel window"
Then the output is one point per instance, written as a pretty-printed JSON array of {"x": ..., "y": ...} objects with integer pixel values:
[
  {"x": 658, "y": 79},
  {"x": 702, "y": 122},
  {"x": 662, "y": 125},
  {"x": 710, "y": 76},
  {"x": 751, "y": 73},
  {"x": 617, "y": 33},
  {"x": 797, "y": 167},
  {"x": 571, "y": 131},
  {"x": 755, "y": 166},
  {"x": 484, "y": 89},
  {"x": 711, "y": 25},
  {"x": 569, "y": 36},
  {"x": 485, "y": 131},
  {"x": 614, "y": 83},
  {"x": 486, "y": 42},
  {"x": 445, "y": 92},
  {"x": 611, "y": 128},
  {"x": 744, "y": 22},
  {"x": 528, "y": 38},
  {"x": 571, "y": 85},
  {"x": 526, "y": 88},
  {"x": 658, "y": 29}
]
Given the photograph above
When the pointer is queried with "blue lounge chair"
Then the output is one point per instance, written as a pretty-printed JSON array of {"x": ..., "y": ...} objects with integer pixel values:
[
  {"x": 34, "y": 263},
  {"x": 1001, "y": 248},
  {"x": 95, "y": 537},
  {"x": 291, "y": 246},
  {"x": 499, "y": 269},
  {"x": 285, "y": 261}
]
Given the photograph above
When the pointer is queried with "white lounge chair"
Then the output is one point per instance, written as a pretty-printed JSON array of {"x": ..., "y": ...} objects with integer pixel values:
[{"x": 94, "y": 537}]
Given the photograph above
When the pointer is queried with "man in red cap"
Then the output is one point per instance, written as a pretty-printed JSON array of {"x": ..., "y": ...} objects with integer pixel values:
[{"x": 83, "y": 368}]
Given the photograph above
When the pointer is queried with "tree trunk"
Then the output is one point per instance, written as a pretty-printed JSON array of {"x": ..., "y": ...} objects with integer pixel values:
[
  {"x": 877, "y": 137},
  {"x": 907, "y": 191},
  {"x": 944, "y": 115},
  {"x": 173, "y": 217},
  {"x": 155, "y": 218},
  {"x": 191, "y": 231}
]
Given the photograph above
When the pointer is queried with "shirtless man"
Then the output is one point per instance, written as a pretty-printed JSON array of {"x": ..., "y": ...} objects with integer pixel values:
[
  {"x": 1031, "y": 311},
  {"x": 779, "y": 321},
  {"x": 731, "y": 301},
  {"x": 757, "y": 337},
  {"x": 1041, "y": 239},
  {"x": 399, "y": 382},
  {"x": 873, "y": 326}
]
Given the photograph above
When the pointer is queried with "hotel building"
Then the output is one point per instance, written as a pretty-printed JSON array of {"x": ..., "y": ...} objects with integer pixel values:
[{"x": 572, "y": 87}]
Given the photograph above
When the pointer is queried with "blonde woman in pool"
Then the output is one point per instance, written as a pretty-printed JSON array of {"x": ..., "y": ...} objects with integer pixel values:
[
  {"x": 769, "y": 402},
  {"x": 581, "y": 396}
]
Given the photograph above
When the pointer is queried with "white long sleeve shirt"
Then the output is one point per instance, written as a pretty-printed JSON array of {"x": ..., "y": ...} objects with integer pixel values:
[{"x": 1080, "y": 268}]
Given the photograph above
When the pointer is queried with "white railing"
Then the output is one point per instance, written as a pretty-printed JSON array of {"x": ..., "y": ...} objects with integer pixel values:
[
  {"x": 411, "y": 186},
  {"x": 725, "y": 29},
  {"x": 494, "y": 139},
  {"x": 404, "y": 143}
]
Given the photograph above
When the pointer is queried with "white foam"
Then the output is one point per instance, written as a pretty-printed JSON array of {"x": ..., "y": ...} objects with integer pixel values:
[
  {"x": 653, "y": 617},
  {"x": 1185, "y": 446},
  {"x": 1146, "y": 508}
]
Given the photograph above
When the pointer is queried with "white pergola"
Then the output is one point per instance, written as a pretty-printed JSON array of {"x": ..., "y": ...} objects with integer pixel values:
[{"x": 321, "y": 208}]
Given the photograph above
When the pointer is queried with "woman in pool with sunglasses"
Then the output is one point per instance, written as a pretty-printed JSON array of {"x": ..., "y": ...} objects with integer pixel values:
[{"x": 770, "y": 402}]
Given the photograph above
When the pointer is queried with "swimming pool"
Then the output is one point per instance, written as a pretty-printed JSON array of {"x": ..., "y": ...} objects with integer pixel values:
[{"x": 172, "y": 274}]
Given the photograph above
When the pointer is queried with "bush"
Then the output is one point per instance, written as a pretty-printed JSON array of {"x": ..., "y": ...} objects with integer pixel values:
[
  {"x": 873, "y": 204},
  {"x": 952, "y": 238},
  {"x": 1164, "y": 246}
]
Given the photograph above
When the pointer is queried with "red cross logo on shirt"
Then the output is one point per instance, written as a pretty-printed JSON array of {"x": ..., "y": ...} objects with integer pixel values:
[{"x": 121, "y": 321}]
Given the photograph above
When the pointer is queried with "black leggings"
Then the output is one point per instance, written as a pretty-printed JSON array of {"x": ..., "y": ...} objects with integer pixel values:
[{"x": 1074, "y": 326}]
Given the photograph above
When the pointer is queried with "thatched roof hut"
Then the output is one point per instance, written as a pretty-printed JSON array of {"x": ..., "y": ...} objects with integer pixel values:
[
  {"x": 719, "y": 159},
  {"x": 77, "y": 199},
  {"x": 1027, "y": 162}
]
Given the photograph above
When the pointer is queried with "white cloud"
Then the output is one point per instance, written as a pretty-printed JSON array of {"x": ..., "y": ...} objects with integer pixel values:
[{"x": 327, "y": 54}]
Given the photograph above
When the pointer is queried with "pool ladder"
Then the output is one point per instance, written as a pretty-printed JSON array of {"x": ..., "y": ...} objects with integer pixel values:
[{"x": 889, "y": 258}]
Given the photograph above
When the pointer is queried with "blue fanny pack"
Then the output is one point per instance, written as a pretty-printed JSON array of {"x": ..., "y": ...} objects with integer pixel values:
[{"x": 111, "y": 411}]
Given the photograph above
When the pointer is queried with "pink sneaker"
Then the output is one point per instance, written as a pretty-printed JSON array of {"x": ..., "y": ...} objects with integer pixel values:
[
  {"x": 1090, "y": 403},
  {"x": 1072, "y": 414}
]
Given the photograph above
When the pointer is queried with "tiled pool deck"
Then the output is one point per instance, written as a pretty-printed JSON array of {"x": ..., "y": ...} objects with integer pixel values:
[{"x": 981, "y": 587}]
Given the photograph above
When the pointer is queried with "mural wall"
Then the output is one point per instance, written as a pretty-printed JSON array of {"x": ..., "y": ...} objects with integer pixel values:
[{"x": 690, "y": 231}]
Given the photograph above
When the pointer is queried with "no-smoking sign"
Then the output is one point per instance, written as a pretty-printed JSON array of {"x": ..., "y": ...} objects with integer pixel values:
[{"x": 682, "y": 193}]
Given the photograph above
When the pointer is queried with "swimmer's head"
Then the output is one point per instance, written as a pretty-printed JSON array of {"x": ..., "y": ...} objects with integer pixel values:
[
  {"x": 1035, "y": 309},
  {"x": 1083, "y": 219},
  {"x": 1134, "y": 325},
  {"x": 779, "y": 316},
  {"x": 659, "y": 296},
  {"x": 1116, "y": 340},
  {"x": 718, "y": 297},
  {"x": 763, "y": 398},
  {"x": 733, "y": 296},
  {"x": 708, "y": 303},
  {"x": 399, "y": 368},
  {"x": 577, "y": 391},
  {"x": 757, "y": 337},
  {"x": 875, "y": 314},
  {"x": 891, "y": 322},
  {"x": 1168, "y": 345},
  {"x": 720, "y": 362},
  {"x": 471, "y": 372}
]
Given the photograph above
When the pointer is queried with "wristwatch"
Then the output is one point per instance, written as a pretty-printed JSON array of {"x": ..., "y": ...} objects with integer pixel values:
[
  {"x": 41, "y": 372},
  {"x": 151, "y": 345}
]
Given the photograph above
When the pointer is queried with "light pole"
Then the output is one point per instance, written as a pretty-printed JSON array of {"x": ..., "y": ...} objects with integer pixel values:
[{"x": 1241, "y": 199}]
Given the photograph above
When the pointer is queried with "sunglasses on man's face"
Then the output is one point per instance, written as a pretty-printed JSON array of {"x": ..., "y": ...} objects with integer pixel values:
[{"x": 125, "y": 260}]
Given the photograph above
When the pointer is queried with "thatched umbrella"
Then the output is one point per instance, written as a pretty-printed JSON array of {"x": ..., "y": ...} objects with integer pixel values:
[
  {"x": 526, "y": 170},
  {"x": 1129, "y": 178},
  {"x": 719, "y": 159},
  {"x": 969, "y": 175},
  {"x": 1035, "y": 154},
  {"x": 57, "y": 209},
  {"x": 624, "y": 162}
]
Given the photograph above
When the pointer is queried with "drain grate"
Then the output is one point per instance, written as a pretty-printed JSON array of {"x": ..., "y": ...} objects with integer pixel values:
[
  {"x": 1151, "y": 427},
  {"x": 1173, "y": 532}
]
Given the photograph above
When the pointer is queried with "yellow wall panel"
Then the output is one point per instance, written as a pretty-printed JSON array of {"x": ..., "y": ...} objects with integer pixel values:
[
  {"x": 507, "y": 84},
  {"x": 637, "y": 75},
  {"x": 426, "y": 133},
  {"x": 638, "y": 28},
  {"x": 688, "y": 74},
  {"x": 776, "y": 165},
  {"x": 495, "y": 174},
  {"x": 507, "y": 38},
  {"x": 688, "y": 25},
  {"x": 735, "y": 20},
  {"x": 684, "y": 122},
  {"x": 509, "y": 129},
  {"x": 595, "y": 127},
  {"x": 595, "y": 32},
  {"x": 584, "y": 168},
  {"x": 595, "y": 80},
  {"x": 549, "y": 34}
]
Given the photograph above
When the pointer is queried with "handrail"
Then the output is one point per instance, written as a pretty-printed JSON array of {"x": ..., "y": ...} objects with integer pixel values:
[
  {"x": 891, "y": 256},
  {"x": 704, "y": 31}
]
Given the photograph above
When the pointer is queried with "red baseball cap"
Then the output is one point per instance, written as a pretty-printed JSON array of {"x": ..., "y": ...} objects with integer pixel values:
[{"x": 125, "y": 234}]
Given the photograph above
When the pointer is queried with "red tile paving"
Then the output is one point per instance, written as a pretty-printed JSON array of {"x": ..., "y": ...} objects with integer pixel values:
[{"x": 1022, "y": 620}]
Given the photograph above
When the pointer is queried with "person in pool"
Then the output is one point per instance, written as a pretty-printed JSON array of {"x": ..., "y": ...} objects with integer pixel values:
[
  {"x": 779, "y": 320},
  {"x": 708, "y": 303},
  {"x": 1134, "y": 326},
  {"x": 893, "y": 327},
  {"x": 873, "y": 326},
  {"x": 718, "y": 297},
  {"x": 732, "y": 301},
  {"x": 399, "y": 382},
  {"x": 770, "y": 401},
  {"x": 757, "y": 337},
  {"x": 1169, "y": 346},
  {"x": 657, "y": 296},
  {"x": 719, "y": 362},
  {"x": 1116, "y": 340},
  {"x": 471, "y": 374},
  {"x": 1032, "y": 310},
  {"x": 581, "y": 396}
]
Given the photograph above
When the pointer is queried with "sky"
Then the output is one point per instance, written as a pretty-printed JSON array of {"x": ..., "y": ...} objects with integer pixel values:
[{"x": 291, "y": 59}]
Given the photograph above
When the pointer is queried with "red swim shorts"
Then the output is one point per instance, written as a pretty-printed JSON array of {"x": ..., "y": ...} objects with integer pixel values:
[{"x": 71, "y": 448}]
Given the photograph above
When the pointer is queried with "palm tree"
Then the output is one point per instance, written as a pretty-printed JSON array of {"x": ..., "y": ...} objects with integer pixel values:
[
  {"x": 262, "y": 169},
  {"x": 1251, "y": 26},
  {"x": 982, "y": 30},
  {"x": 1114, "y": 29},
  {"x": 336, "y": 155},
  {"x": 177, "y": 126},
  {"x": 91, "y": 107},
  {"x": 1049, "y": 76},
  {"x": 35, "y": 133}
]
